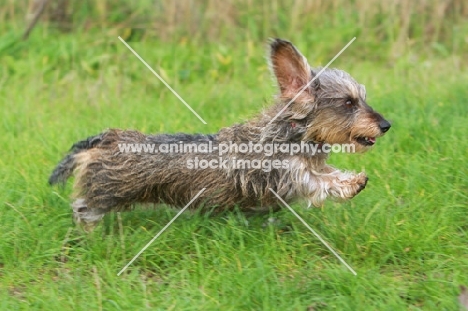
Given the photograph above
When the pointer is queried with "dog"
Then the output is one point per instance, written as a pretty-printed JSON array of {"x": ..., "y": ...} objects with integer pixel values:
[{"x": 311, "y": 109}]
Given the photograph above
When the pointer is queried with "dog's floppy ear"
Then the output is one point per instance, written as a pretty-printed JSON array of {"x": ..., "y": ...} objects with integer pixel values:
[{"x": 290, "y": 67}]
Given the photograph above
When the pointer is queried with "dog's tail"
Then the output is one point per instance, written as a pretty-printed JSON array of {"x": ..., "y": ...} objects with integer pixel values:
[{"x": 66, "y": 167}]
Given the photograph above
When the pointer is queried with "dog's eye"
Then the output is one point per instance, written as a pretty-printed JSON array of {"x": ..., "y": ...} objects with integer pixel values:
[{"x": 349, "y": 103}]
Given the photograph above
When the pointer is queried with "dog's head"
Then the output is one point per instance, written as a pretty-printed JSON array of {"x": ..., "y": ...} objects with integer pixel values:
[{"x": 328, "y": 103}]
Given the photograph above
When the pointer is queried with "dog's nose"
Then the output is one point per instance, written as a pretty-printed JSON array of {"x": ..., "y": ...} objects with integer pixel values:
[{"x": 384, "y": 125}]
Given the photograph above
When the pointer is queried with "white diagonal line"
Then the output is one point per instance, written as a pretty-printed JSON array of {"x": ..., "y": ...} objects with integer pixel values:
[
  {"x": 315, "y": 233},
  {"x": 160, "y": 232},
  {"x": 164, "y": 82},
  {"x": 313, "y": 79}
]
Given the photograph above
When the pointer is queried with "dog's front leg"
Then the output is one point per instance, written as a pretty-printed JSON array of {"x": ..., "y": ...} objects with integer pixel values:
[
  {"x": 344, "y": 185},
  {"x": 331, "y": 182}
]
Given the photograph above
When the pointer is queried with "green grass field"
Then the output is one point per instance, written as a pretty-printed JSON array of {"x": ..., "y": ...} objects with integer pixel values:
[{"x": 405, "y": 234}]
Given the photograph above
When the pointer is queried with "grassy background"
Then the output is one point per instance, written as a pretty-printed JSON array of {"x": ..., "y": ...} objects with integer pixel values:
[{"x": 405, "y": 235}]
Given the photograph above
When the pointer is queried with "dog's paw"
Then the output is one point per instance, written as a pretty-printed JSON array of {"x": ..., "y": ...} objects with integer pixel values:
[
  {"x": 348, "y": 187},
  {"x": 360, "y": 182}
]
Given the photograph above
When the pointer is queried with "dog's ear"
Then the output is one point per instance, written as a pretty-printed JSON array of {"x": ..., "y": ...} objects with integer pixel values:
[
  {"x": 362, "y": 91},
  {"x": 290, "y": 68}
]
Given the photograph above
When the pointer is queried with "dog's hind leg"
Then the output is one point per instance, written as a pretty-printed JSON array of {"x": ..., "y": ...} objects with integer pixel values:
[{"x": 86, "y": 217}]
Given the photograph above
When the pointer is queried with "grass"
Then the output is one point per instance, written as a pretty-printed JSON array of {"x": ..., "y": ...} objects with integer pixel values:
[{"x": 405, "y": 235}]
